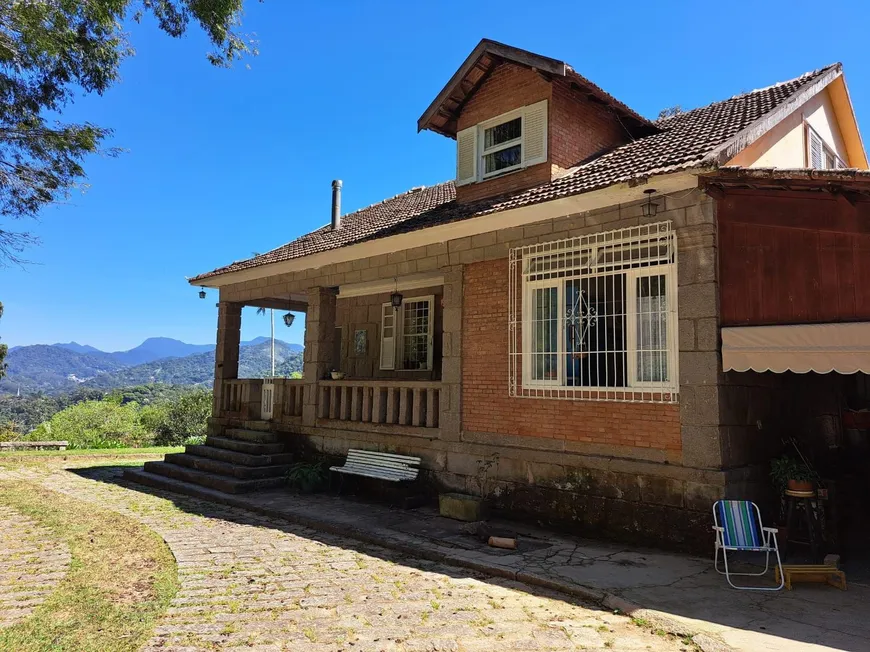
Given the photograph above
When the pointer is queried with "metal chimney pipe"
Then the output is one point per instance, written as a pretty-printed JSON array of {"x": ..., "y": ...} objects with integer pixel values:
[{"x": 336, "y": 204}]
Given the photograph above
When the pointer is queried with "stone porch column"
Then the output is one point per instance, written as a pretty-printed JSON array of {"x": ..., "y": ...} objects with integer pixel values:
[
  {"x": 450, "y": 418},
  {"x": 226, "y": 355},
  {"x": 319, "y": 336}
]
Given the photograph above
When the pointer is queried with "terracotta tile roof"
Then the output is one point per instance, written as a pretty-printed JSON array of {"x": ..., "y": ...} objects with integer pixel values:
[{"x": 683, "y": 142}]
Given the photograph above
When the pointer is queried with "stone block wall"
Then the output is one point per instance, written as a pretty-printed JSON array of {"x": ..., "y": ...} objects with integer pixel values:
[{"x": 628, "y": 471}]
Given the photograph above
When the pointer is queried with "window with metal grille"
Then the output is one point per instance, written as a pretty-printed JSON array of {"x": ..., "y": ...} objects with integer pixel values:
[
  {"x": 412, "y": 348},
  {"x": 595, "y": 317}
]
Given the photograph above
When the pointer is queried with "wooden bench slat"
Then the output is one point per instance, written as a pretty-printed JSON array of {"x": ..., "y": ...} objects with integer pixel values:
[{"x": 383, "y": 466}]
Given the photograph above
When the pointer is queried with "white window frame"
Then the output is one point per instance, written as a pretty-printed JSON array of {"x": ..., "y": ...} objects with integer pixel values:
[
  {"x": 483, "y": 151},
  {"x": 399, "y": 333},
  {"x": 827, "y": 151},
  {"x": 520, "y": 306}
]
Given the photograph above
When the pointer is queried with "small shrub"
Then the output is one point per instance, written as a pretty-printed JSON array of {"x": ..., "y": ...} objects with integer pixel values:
[
  {"x": 195, "y": 440},
  {"x": 95, "y": 424},
  {"x": 186, "y": 416},
  {"x": 307, "y": 477}
]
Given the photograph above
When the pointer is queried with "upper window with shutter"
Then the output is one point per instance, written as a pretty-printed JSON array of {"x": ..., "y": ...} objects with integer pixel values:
[
  {"x": 509, "y": 142},
  {"x": 819, "y": 155}
]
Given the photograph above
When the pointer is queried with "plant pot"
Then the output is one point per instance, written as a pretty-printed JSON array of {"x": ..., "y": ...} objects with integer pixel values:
[
  {"x": 462, "y": 507},
  {"x": 800, "y": 485}
]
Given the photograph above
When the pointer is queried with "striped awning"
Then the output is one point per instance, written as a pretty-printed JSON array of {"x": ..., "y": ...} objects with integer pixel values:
[{"x": 823, "y": 348}]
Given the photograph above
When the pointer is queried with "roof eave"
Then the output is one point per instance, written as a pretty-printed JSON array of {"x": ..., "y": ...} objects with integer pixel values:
[
  {"x": 748, "y": 135},
  {"x": 501, "y": 50}
]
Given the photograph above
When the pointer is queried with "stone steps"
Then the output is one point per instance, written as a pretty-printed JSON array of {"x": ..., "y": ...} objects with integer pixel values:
[
  {"x": 210, "y": 465},
  {"x": 241, "y": 446},
  {"x": 223, "y": 483},
  {"x": 255, "y": 436},
  {"x": 235, "y": 457}
]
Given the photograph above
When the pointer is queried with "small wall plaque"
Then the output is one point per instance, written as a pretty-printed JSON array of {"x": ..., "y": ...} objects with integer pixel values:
[{"x": 360, "y": 342}]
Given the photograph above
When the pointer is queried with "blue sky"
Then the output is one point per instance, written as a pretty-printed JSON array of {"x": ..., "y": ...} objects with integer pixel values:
[{"x": 222, "y": 163}]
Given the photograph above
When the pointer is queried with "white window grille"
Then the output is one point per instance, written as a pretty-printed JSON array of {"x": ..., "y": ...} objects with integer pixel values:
[
  {"x": 411, "y": 348},
  {"x": 595, "y": 317}
]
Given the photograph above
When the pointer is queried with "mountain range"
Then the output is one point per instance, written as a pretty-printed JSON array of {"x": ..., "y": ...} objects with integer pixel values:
[{"x": 62, "y": 367}]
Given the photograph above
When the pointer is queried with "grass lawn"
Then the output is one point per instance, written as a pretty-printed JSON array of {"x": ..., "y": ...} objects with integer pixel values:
[
  {"x": 95, "y": 452},
  {"x": 121, "y": 578}
]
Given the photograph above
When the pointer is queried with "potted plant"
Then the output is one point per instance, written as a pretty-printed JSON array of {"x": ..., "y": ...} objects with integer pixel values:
[{"x": 789, "y": 473}]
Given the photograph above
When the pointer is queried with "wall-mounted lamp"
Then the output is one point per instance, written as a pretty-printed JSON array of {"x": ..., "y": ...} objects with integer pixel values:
[
  {"x": 650, "y": 208},
  {"x": 288, "y": 319},
  {"x": 396, "y": 297}
]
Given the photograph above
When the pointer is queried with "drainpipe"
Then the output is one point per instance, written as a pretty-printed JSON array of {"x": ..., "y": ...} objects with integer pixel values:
[{"x": 336, "y": 204}]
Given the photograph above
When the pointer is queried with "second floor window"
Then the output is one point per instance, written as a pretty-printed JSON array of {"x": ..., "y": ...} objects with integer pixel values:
[
  {"x": 502, "y": 146},
  {"x": 819, "y": 155}
]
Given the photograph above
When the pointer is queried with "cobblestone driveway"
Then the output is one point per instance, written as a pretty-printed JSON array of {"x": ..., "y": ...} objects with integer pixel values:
[
  {"x": 265, "y": 584},
  {"x": 31, "y": 565}
]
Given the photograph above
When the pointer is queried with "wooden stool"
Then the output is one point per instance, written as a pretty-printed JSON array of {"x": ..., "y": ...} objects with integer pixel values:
[
  {"x": 803, "y": 499},
  {"x": 816, "y": 573}
]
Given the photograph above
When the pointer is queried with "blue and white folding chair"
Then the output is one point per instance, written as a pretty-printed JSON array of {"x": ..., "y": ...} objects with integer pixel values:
[{"x": 737, "y": 524}]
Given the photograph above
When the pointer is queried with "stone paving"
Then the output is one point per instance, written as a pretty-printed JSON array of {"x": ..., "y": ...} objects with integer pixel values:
[
  {"x": 31, "y": 565},
  {"x": 265, "y": 584}
]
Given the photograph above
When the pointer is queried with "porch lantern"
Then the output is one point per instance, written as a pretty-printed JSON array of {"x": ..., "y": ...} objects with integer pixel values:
[
  {"x": 396, "y": 297},
  {"x": 202, "y": 293},
  {"x": 288, "y": 319},
  {"x": 650, "y": 208}
]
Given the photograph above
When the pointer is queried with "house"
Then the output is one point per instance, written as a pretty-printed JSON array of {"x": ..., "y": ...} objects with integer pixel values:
[{"x": 557, "y": 306}]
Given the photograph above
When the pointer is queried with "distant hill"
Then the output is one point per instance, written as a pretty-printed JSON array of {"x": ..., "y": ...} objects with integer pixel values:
[
  {"x": 64, "y": 367},
  {"x": 50, "y": 369},
  {"x": 78, "y": 348},
  {"x": 198, "y": 369},
  {"x": 156, "y": 348}
]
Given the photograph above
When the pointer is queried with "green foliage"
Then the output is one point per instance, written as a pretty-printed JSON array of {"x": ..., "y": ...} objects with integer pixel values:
[
  {"x": 196, "y": 440},
  {"x": 49, "y": 52},
  {"x": 95, "y": 424},
  {"x": 130, "y": 417},
  {"x": 785, "y": 468},
  {"x": 308, "y": 477},
  {"x": 187, "y": 416}
]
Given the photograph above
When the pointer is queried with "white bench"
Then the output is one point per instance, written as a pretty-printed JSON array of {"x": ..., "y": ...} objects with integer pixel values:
[{"x": 383, "y": 466}]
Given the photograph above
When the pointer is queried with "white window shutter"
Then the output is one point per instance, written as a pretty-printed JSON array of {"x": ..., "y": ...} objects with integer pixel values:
[
  {"x": 388, "y": 336},
  {"x": 535, "y": 133},
  {"x": 816, "y": 153},
  {"x": 466, "y": 156}
]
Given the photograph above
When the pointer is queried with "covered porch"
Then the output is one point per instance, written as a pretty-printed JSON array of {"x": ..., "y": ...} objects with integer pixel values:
[{"x": 375, "y": 359}]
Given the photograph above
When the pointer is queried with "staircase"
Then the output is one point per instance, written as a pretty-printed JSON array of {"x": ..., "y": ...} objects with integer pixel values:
[{"x": 239, "y": 462}]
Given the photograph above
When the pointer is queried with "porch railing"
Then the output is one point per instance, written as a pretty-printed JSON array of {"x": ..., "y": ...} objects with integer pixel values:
[
  {"x": 402, "y": 403},
  {"x": 240, "y": 397},
  {"x": 287, "y": 399}
]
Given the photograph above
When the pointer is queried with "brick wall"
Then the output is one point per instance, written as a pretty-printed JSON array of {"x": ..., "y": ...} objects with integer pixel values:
[
  {"x": 488, "y": 408},
  {"x": 364, "y": 313},
  {"x": 508, "y": 87},
  {"x": 579, "y": 128}
]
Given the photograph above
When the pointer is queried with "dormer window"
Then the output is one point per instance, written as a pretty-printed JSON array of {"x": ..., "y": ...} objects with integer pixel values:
[
  {"x": 502, "y": 146},
  {"x": 506, "y": 143}
]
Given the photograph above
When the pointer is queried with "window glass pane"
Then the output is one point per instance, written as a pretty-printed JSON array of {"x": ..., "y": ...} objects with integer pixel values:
[
  {"x": 503, "y": 159},
  {"x": 415, "y": 335},
  {"x": 545, "y": 334},
  {"x": 502, "y": 133},
  {"x": 595, "y": 331},
  {"x": 652, "y": 330}
]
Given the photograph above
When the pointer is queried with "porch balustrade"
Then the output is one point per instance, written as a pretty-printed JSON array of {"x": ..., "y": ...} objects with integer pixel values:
[
  {"x": 402, "y": 403},
  {"x": 288, "y": 395}
]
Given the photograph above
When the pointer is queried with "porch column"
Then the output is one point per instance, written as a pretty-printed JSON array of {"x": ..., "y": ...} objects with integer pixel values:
[
  {"x": 319, "y": 336},
  {"x": 226, "y": 355},
  {"x": 450, "y": 419}
]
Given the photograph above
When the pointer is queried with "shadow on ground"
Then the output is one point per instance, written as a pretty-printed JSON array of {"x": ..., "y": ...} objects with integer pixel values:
[{"x": 687, "y": 589}]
